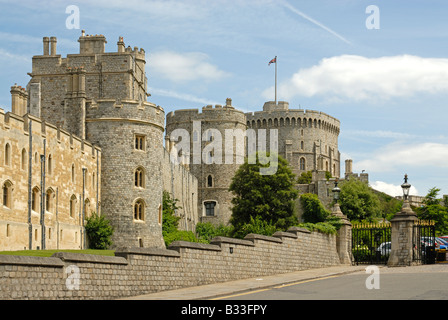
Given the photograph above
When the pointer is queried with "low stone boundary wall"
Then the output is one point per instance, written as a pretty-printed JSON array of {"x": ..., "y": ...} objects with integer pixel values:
[{"x": 136, "y": 271}]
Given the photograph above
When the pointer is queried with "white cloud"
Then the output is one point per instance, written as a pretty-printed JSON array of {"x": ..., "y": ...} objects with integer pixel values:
[
  {"x": 399, "y": 156},
  {"x": 360, "y": 78},
  {"x": 184, "y": 67},
  {"x": 391, "y": 189}
]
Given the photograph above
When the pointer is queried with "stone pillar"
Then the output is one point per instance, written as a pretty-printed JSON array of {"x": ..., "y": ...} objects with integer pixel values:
[
  {"x": 344, "y": 236},
  {"x": 402, "y": 233}
]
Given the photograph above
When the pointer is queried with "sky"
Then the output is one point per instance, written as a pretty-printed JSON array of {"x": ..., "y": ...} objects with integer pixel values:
[{"x": 380, "y": 67}]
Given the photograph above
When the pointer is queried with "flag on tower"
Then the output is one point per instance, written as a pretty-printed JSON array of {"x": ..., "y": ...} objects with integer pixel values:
[{"x": 272, "y": 61}]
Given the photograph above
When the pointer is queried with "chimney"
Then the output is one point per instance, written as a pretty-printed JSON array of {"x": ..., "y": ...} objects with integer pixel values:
[
  {"x": 19, "y": 100},
  {"x": 120, "y": 44},
  {"x": 228, "y": 102},
  {"x": 46, "y": 46},
  {"x": 53, "y": 45}
]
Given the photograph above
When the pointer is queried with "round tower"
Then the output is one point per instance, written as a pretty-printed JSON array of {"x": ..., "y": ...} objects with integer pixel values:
[
  {"x": 308, "y": 139},
  {"x": 130, "y": 134},
  {"x": 215, "y": 152}
]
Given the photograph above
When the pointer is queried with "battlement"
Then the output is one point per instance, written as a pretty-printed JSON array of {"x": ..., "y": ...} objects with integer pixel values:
[
  {"x": 126, "y": 110},
  {"x": 292, "y": 117},
  {"x": 10, "y": 121},
  {"x": 206, "y": 110}
]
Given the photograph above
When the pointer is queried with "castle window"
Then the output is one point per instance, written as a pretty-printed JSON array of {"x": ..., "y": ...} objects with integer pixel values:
[
  {"x": 139, "y": 178},
  {"x": 139, "y": 210},
  {"x": 24, "y": 161},
  {"x": 50, "y": 164},
  {"x": 210, "y": 208},
  {"x": 73, "y": 173},
  {"x": 49, "y": 200},
  {"x": 72, "y": 206},
  {"x": 209, "y": 181},
  {"x": 7, "y": 194},
  {"x": 301, "y": 145},
  {"x": 302, "y": 164},
  {"x": 140, "y": 142},
  {"x": 35, "y": 196},
  {"x": 7, "y": 154}
]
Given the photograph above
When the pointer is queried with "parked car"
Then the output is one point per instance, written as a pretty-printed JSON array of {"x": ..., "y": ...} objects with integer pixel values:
[
  {"x": 384, "y": 248},
  {"x": 441, "y": 244}
]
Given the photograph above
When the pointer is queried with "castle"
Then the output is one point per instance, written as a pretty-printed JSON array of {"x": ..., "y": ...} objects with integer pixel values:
[{"x": 82, "y": 137}]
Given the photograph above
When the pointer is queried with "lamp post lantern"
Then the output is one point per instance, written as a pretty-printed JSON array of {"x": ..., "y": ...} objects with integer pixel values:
[
  {"x": 336, "y": 191},
  {"x": 406, "y": 187}
]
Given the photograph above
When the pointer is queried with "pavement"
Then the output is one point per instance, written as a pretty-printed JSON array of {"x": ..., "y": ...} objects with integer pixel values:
[{"x": 208, "y": 292}]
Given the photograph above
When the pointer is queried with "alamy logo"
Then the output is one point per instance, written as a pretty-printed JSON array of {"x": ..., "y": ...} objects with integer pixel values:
[
  {"x": 373, "y": 281},
  {"x": 73, "y": 279},
  {"x": 373, "y": 20},
  {"x": 236, "y": 142},
  {"x": 72, "y": 21}
]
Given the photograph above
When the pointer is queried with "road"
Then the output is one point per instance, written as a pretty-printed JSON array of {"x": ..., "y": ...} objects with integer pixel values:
[{"x": 428, "y": 282}]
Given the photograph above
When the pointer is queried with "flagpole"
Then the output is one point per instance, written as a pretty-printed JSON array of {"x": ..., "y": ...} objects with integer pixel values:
[{"x": 276, "y": 80}]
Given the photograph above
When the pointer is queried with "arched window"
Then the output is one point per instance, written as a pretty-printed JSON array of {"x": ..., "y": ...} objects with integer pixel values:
[
  {"x": 72, "y": 206},
  {"x": 209, "y": 181},
  {"x": 49, "y": 205},
  {"x": 139, "y": 210},
  {"x": 35, "y": 199},
  {"x": 139, "y": 177},
  {"x": 7, "y": 194},
  {"x": 302, "y": 164},
  {"x": 24, "y": 160},
  {"x": 7, "y": 154}
]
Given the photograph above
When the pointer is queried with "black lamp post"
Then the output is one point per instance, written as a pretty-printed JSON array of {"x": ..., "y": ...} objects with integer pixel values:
[
  {"x": 336, "y": 191},
  {"x": 406, "y": 187}
]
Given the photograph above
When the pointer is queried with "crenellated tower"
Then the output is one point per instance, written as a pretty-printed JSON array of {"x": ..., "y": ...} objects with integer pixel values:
[
  {"x": 101, "y": 97},
  {"x": 208, "y": 157}
]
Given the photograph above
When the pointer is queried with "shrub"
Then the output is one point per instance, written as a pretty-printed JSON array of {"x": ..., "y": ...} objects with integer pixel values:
[{"x": 99, "y": 231}]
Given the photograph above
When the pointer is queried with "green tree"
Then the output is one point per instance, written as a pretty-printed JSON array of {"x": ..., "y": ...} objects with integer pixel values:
[
  {"x": 206, "y": 231},
  {"x": 305, "y": 178},
  {"x": 313, "y": 210},
  {"x": 268, "y": 196},
  {"x": 99, "y": 232},
  {"x": 358, "y": 201},
  {"x": 170, "y": 222},
  {"x": 432, "y": 209}
]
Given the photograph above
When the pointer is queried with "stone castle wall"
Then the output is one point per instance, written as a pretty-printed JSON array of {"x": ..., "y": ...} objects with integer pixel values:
[
  {"x": 65, "y": 157},
  {"x": 136, "y": 271},
  {"x": 183, "y": 186}
]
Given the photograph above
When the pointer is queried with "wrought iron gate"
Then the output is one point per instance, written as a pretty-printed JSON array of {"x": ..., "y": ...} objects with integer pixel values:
[
  {"x": 371, "y": 243},
  {"x": 424, "y": 237}
]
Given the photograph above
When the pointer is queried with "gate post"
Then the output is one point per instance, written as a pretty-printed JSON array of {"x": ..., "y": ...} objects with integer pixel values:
[
  {"x": 344, "y": 236},
  {"x": 402, "y": 237}
]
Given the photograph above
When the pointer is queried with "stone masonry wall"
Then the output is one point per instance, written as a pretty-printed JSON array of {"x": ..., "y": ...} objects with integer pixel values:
[{"x": 136, "y": 271}]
